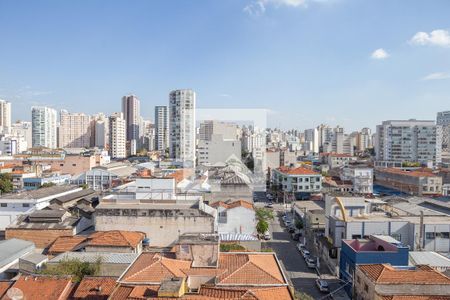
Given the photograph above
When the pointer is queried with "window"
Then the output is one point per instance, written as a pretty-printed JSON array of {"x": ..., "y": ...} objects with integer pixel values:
[
  {"x": 429, "y": 235},
  {"x": 222, "y": 217},
  {"x": 366, "y": 288},
  {"x": 356, "y": 236},
  {"x": 3, "y": 204},
  {"x": 25, "y": 204}
]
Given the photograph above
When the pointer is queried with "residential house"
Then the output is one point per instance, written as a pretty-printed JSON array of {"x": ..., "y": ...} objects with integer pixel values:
[
  {"x": 299, "y": 179},
  {"x": 383, "y": 281},
  {"x": 235, "y": 217}
]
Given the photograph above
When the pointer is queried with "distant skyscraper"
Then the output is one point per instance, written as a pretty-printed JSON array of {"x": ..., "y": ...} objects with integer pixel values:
[
  {"x": 43, "y": 120},
  {"x": 208, "y": 128},
  {"x": 23, "y": 128},
  {"x": 443, "y": 120},
  {"x": 161, "y": 127},
  {"x": 100, "y": 130},
  {"x": 132, "y": 114},
  {"x": 408, "y": 140},
  {"x": 182, "y": 126},
  {"x": 117, "y": 133},
  {"x": 5, "y": 116},
  {"x": 75, "y": 130}
]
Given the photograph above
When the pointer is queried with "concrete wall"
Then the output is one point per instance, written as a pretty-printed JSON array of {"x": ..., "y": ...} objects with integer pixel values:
[
  {"x": 238, "y": 220},
  {"x": 162, "y": 231}
]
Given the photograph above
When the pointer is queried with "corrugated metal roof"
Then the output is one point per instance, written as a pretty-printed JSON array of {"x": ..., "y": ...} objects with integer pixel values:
[
  {"x": 430, "y": 258},
  {"x": 237, "y": 237},
  {"x": 91, "y": 257},
  {"x": 13, "y": 249}
]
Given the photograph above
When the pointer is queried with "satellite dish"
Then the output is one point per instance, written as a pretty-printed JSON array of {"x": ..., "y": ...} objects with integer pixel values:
[{"x": 15, "y": 294}]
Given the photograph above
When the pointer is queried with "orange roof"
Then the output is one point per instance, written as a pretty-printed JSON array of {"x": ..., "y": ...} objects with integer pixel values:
[
  {"x": 237, "y": 203},
  {"x": 257, "y": 293},
  {"x": 66, "y": 243},
  {"x": 179, "y": 175},
  {"x": 415, "y": 173},
  {"x": 94, "y": 288},
  {"x": 150, "y": 292},
  {"x": 386, "y": 274},
  {"x": 412, "y": 297},
  {"x": 154, "y": 268},
  {"x": 250, "y": 269},
  {"x": 116, "y": 238},
  {"x": 43, "y": 287},
  {"x": 4, "y": 286},
  {"x": 297, "y": 171}
]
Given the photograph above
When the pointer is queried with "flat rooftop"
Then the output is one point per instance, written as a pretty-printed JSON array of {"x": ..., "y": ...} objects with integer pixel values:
[
  {"x": 412, "y": 219},
  {"x": 40, "y": 193}
]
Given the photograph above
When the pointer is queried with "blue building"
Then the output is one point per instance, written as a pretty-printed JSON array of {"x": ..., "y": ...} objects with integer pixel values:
[
  {"x": 377, "y": 249},
  {"x": 34, "y": 183}
]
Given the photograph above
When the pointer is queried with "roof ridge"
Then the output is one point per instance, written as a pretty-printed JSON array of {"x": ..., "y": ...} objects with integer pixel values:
[
  {"x": 247, "y": 292},
  {"x": 238, "y": 269},
  {"x": 265, "y": 271},
  {"x": 125, "y": 238},
  {"x": 147, "y": 267}
]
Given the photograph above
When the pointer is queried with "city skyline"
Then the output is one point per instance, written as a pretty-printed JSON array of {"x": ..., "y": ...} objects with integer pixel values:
[{"x": 395, "y": 64}]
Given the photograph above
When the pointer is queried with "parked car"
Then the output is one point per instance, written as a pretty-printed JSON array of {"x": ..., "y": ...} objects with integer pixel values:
[
  {"x": 291, "y": 228},
  {"x": 269, "y": 205},
  {"x": 287, "y": 222},
  {"x": 296, "y": 235},
  {"x": 300, "y": 246},
  {"x": 267, "y": 235},
  {"x": 322, "y": 285},
  {"x": 305, "y": 253},
  {"x": 269, "y": 196},
  {"x": 311, "y": 262}
]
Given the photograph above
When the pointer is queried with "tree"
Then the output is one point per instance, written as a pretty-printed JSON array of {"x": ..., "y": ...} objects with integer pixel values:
[
  {"x": 264, "y": 214},
  {"x": 74, "y": 267},
  {"x": 231, "y": 247},
  {"x": 299, "y": 224},
  {"x": 262, "y": 226},
  {"x": 48, "y": 184},
  {"x": 6, "y": 185}
]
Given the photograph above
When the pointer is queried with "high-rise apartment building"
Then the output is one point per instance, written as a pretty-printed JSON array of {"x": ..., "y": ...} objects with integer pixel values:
[
  {"x": 43, "y": 120},
  {"x": 161, "y": 127},
  {"x": 408, "y": 140},
  {"x": 74, "y": 130},
  {"x": 443, "y": 120},
  {"x": 100, "y": 131},
  {"x": 131, "y": 109},
  {"x": 5, "y": 116},
  {"x": 182, "y": 126},
  {"x": 117, "y": 136}
]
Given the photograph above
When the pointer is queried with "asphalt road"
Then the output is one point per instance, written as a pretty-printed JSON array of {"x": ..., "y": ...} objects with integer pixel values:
[{"x": 302, "y": 277}]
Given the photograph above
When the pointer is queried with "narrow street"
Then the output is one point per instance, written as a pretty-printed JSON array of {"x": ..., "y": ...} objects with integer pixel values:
[{"x": 302, "y": 277}]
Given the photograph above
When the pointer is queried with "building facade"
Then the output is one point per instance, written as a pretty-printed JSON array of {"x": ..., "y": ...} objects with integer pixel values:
[
  {"x": 182, "y": 126},
  {"x": 75, "y": 130},
  {"x": 43, "y": 120},
  {"x": 117, "y": 136},
  {"x": 408, "y": 141},
  {"x": 161, "y": 127},
  {"x": 131, "y": 109},
  {"x": 5, "y": 116}
]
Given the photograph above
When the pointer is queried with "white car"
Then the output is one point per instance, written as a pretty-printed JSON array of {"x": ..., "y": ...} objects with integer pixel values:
[
  {"x": 310, "y": 262},
  {"x": 300, "y": 246},
  {"x": 305, "y": 253},
  {"x": 322, "y": 285},
  {"x": 267, "y": 235}
]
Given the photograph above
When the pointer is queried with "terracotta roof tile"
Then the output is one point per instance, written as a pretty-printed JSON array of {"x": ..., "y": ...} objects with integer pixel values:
[
  {"x": 4, "y": 286},
  {"x": 154, "y": 268},
  {"x": 94, "y": 288},
  {"x": 43, "y": 287},
  {"x": 247, "y": 269},
  {"x": 66, "y": 243},
  {"x": 385, "y": 274},
  {"x": 297, "y": 171},
  {"x": 237, "y": 203},
  {"x": 116, "y": 238}
]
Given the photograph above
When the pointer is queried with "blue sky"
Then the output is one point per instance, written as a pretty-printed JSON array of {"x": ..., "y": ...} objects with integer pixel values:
[{"x": 306, "y": 61}]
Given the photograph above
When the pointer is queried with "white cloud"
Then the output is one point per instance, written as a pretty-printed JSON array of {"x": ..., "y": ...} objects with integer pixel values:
[
  {"x": 379, "y": 54},
  {"x": 438, "y": 37},
  {"x": 258, "y": 7},
  {"x": 437, "y": 76}
]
